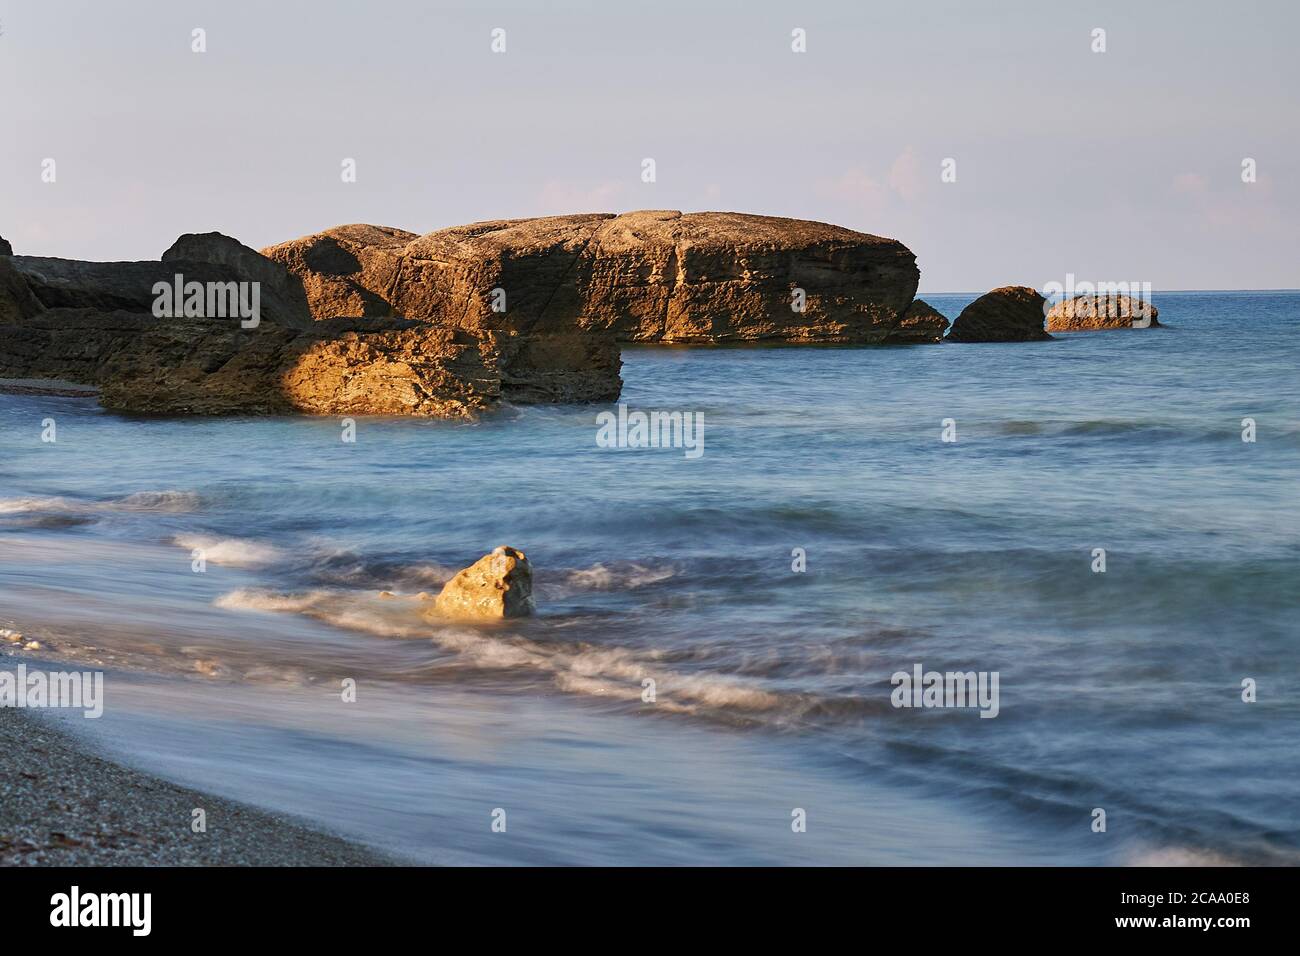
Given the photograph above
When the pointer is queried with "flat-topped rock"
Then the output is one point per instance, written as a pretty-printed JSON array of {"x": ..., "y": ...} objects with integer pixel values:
[
  {"x": 1009, "y": 314},
  {"x": 650, "y": 276}
]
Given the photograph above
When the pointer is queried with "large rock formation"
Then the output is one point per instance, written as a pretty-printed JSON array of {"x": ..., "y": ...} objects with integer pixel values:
[
  {"x": 5, "y": 248},
  {"x": 1086, "y": 312},
  {"x": 344, "y": 366},
  {"x": 645, "y": 276},
  {"x": 1009, "y": 314},
  {"x": 497, "y": 585},
  {"x": 369, "y": 320},
  {"x": 93, "y": 323}
]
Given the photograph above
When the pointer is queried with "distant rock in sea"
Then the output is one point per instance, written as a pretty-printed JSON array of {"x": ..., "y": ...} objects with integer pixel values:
[
  {"x": 498, "y": 585},
  {"x": 1009, "y": 314},
  {"x": 650, "y": 276},
  {"x": 1088, "y": 312}
]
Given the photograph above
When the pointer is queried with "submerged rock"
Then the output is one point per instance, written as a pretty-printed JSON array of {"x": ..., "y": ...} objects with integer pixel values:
[
  {"x": 1009, "y": 314},
  {"x": 650, "y": 276},
  {"x": 1085, "y": 312},
  {"x": 497, "y": 585}
]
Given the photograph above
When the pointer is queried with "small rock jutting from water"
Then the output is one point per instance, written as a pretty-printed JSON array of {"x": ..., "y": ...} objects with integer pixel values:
[{"x": 496, "y": 586}]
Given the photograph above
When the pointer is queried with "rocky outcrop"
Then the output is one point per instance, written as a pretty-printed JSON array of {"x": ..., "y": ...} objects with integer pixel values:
[
  {"x": 921, "y": 322},
  {"x": 93, "y": 323},
  {"x": 347, "y": 270},
  {"x": 1088, "y": 312},
  {"x": 1009, "y": 314},
  {"x": 644, "y": 276},
  {"x": 280, "y": 290},
  {"x": 129, "y": 286},
  {"x": 348, "y": 366},
  {"x": 498, "y": 585},
  {"x": 372, "y": 320},
  {"x": 5, "y": 248}
]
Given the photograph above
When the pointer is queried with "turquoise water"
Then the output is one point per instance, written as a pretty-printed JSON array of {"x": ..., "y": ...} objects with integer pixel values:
[{"x": 1118, "y": 690}]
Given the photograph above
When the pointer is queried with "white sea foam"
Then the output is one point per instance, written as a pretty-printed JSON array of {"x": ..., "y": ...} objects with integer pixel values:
[
  {"x": 601, "y": 577},
  {"x": 353, "y": 611},
  {"x": 582, "y": 669},
  {"x": 229, "y": 552},
  {"x": 29, "y": 505},
  {"x": 1177, "y": 856}
]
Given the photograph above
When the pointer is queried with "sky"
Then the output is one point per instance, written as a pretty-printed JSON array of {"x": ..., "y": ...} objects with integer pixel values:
[{"x": 1122, "y": 165}]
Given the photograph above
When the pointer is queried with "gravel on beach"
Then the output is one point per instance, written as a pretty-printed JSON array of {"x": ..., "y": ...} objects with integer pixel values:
[{"x": 61, "y": 805}]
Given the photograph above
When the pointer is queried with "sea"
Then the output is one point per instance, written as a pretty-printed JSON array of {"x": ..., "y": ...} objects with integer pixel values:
[{"x": 1107, "y": 523}]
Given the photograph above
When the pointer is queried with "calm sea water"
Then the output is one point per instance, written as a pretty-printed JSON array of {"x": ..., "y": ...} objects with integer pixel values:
[{"x": 1119, "y": 690}]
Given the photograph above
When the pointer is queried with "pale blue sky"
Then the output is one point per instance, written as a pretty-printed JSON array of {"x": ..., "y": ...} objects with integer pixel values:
[{"x": 1120, "y": 166}]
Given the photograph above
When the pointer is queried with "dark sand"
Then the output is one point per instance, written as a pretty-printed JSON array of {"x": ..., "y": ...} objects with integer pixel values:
[{"x": 60, "y": 805}]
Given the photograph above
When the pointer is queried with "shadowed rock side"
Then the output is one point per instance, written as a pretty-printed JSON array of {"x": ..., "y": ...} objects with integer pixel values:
[
  {"x": 281, "y": 290},
  {"x": 923, "y": 320},
  {"x": 129, "y": 286},
  {"x": 645, "y": 276},
  {"x": 1088, "y": 312},
  {"x": 1009, "y": 314},
  {"x": 16, "y": 298}
]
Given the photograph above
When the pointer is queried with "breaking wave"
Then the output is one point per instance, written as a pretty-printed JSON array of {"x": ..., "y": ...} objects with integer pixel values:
[
  {"x": 167, "y": 502},
  {"x": 229, "y": 552},
  {"x": 629, "y": 575},
  {"x": 576, "y": 668}
]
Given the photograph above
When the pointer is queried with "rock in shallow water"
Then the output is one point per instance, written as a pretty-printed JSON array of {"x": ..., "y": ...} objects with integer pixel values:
[
  {"x": 1087, "y": 312},
  {"x": 1009, "y": 314},
  {"x": 496, "y": 586},
  {"x": 922, "y": 322}
]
